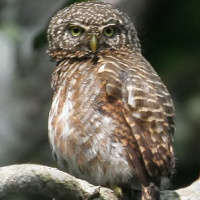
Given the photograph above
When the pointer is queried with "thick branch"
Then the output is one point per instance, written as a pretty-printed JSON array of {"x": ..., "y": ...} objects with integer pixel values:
[
  {"x": 48, "y": 182},
  {"x": 55, "y": 183},
  {"x": 191, "y": 192}
]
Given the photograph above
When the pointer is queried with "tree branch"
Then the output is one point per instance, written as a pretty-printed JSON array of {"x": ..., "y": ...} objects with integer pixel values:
[
  {"x": 54, "y": 183},
  {"x": 48, "y": 182}
]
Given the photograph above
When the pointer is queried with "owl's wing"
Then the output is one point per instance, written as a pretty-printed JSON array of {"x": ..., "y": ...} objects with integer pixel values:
[
  {"x": 147, "y": 109},
  {"x": 150, "y": 124}
]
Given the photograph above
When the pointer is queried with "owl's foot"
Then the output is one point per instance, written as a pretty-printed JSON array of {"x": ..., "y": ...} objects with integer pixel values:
[{"x": 118, "y": 191}]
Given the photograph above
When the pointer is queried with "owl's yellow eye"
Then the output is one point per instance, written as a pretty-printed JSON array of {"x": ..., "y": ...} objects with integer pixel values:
[
  {"x": 109, "y": 31},
  {"x": 76, "y": 31}
]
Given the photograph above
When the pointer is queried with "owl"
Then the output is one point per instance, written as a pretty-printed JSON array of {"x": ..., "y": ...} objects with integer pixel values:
[{"x": 111, "y": 120}]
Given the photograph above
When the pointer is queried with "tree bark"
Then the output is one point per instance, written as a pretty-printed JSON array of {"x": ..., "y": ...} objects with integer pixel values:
[{"x": 57, "y": 184}]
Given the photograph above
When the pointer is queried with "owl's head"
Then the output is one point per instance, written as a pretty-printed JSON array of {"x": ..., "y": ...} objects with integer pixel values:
[{"x": 88, "y": 28}]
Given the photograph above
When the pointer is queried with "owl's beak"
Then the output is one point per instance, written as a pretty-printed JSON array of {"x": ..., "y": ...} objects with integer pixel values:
[{"x": 93, "y": 43}]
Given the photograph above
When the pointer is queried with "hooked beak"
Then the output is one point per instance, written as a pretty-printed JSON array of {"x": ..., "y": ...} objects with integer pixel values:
[{"x": 93, "y": 43}]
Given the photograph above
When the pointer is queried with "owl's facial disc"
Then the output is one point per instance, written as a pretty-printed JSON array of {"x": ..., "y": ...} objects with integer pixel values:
[{"x": 95, "y": 37}]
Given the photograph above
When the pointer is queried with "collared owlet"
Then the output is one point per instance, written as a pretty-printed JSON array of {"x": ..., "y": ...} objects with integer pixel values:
[{"x": 112, "y": 119}]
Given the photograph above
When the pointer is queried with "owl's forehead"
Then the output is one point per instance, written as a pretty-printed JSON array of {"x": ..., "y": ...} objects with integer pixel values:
[{"x": 92, "y": 13}]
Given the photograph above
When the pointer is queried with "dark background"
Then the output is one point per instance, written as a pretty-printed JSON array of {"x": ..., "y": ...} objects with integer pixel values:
[{"x": 170, "y": 36}]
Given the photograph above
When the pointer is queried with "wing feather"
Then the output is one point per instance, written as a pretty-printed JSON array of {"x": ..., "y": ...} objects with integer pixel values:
[{"x": 147, "y": 109}]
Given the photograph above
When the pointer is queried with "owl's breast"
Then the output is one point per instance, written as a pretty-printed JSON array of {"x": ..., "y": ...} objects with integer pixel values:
[{"x": 83, "y": 124}]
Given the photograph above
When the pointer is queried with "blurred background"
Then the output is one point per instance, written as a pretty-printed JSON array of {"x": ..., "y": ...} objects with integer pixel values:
[{"x": 170, "y": 36}]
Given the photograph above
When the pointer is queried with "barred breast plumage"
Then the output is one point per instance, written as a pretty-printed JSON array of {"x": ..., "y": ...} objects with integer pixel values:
[{"x": 113, "y": 115}]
